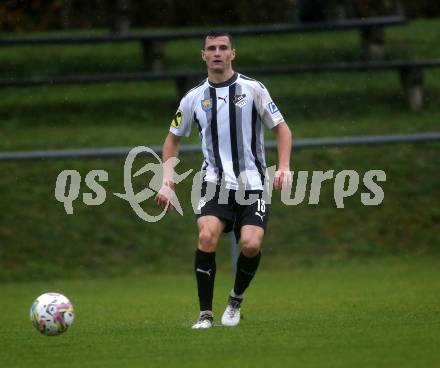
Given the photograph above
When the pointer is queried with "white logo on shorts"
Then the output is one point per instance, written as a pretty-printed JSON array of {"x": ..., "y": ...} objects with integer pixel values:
[{"x": 202, "y": 203}]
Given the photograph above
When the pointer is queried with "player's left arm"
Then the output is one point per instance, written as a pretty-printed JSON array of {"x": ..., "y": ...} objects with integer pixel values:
[
  {"x": 273, "y": 119},
  {"x": 283, "y": 176}
]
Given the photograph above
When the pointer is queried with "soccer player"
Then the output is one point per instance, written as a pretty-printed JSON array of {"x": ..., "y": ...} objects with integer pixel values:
[{"x": 230, "y": 111}]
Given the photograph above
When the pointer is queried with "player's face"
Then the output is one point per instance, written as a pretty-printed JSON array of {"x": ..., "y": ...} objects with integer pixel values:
[{"x": 218, "y": 54}]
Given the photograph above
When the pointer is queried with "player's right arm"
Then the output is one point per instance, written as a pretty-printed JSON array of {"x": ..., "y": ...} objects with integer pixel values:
[
  {"x": 180, "y": 126},
  {"x": 170, "y": 149}
]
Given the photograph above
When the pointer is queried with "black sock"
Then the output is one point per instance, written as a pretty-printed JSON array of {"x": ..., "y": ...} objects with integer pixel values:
[
  {"x": 246, "y": 268},
  {"x": 205, "y": 274}
]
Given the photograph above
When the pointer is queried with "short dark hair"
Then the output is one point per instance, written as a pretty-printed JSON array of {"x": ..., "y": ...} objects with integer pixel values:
[{"x": 215, "y": 34}]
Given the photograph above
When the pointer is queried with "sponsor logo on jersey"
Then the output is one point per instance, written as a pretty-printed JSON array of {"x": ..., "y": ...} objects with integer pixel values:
[
  {"x": 272, "y": 108},
  {"x": 177, "y": 119},
  {"x": 240, "y": 100},
  {"x": 206, "y": 104}
]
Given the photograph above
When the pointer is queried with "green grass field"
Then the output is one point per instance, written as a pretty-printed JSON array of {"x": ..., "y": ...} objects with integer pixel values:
[
  {"x": 111, "y": 239},
  {"x": 365, "y": 313},
  {"x": 352, "y": 287}
]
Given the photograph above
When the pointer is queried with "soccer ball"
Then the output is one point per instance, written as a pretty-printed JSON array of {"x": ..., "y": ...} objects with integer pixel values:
[{"x": 52, "y": 314}]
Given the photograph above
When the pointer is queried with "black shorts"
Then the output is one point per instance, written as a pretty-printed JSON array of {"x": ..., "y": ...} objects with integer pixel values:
[{"x": 224, "y": 206}]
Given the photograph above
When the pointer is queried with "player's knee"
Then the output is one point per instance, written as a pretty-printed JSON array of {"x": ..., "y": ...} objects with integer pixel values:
[
  {"x": 250, "y": 246},
  {"x": 207, "y": 240}
]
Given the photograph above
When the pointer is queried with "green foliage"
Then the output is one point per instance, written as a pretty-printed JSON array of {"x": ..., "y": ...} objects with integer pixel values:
[
  {"x": 81, "y": 14},
  {"x": 37, "y": 15},
  {"x": 422, "y": 8}
]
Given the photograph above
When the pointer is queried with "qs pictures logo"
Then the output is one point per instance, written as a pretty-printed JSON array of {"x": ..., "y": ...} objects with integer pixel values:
[
  {"x": 68, "y": 185},
  {"x": 344, "y": 184}
]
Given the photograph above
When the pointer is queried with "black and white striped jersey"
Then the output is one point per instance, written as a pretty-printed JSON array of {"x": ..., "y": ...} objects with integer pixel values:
[{"x": 230, "y": 118}]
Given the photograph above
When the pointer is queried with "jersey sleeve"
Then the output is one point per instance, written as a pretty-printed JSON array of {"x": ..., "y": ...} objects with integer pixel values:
[
  {"x": 182, "y": 120},
  {"x": 268, "y": 111}
]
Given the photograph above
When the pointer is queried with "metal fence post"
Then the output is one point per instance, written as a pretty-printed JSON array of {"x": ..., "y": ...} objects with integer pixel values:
[{"x": 235, "y": 251}]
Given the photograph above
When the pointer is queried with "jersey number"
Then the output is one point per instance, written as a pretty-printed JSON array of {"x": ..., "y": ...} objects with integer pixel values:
[{"x": 261, "y": 205}]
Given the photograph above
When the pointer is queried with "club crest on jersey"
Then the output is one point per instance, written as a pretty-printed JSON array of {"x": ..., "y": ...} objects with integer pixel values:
[
  {"x": 240, "y": 100},
  {"x": 206, "y": 104},
  {"x": 272, "y": 108},
  {"x": 177, "y": 119}
]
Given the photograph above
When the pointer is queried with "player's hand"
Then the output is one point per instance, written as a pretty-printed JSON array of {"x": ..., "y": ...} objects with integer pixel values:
[
  {"x": 283, "y": 179},
  {"x": 163, "y": 197}
]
